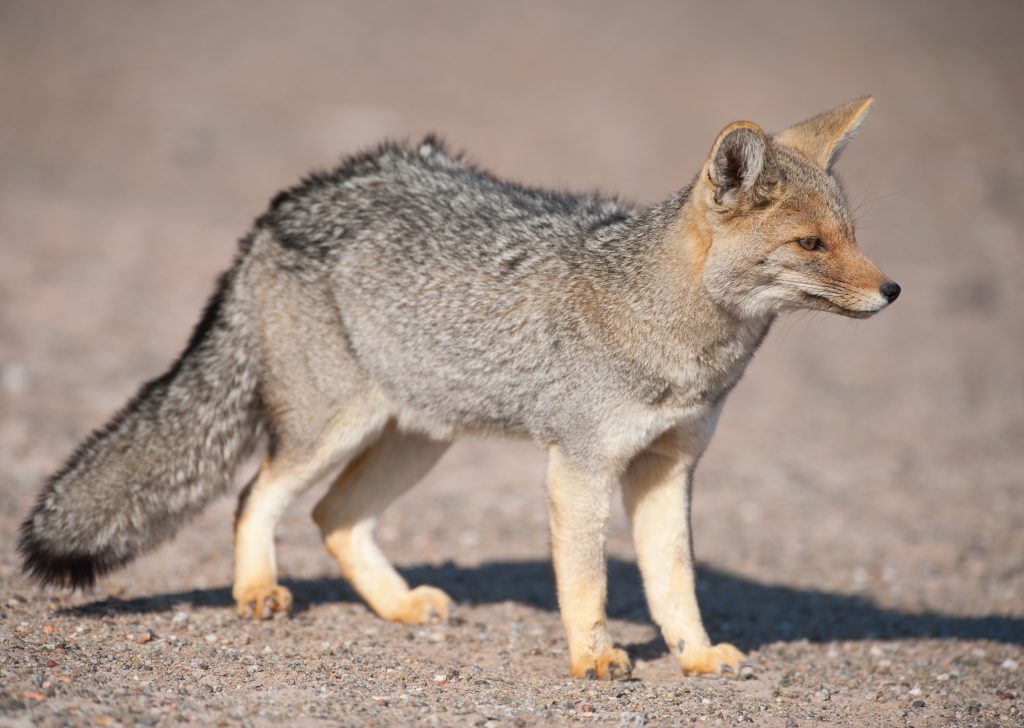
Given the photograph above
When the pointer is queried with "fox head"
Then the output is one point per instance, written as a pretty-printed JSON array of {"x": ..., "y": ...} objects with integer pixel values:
[{"x": 776, "y": 233}]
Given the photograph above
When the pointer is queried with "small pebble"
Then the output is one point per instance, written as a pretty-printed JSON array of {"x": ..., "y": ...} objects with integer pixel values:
[
  {"x": 180, "y": 617},
  {"x": 746, "y": 672},
  {"x": 1010, "y": 664},
  {"x": 917, "y": 704},
  {"x": 825, "y": 694},
  {"x": 141, "y": 638}
]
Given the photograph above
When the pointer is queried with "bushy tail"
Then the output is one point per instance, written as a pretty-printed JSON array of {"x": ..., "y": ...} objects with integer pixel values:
[{"x": 174, "y": 447}]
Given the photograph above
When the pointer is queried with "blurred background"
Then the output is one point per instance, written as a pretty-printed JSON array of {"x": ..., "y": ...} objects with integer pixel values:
[{"x": 880, "y": 460}]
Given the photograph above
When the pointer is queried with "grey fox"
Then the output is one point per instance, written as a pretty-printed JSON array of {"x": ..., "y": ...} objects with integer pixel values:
[{"x": 379, "y": 310}]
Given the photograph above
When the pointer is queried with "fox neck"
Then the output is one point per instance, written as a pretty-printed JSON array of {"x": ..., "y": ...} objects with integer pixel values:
[{"x": 675, "y": 327}]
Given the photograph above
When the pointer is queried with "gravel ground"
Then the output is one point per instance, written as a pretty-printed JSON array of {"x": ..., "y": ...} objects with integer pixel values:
[{"x": 859, "y": 516}]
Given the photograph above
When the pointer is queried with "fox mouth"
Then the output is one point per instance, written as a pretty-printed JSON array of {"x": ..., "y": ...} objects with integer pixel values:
[{"x": 822, "y": 303}]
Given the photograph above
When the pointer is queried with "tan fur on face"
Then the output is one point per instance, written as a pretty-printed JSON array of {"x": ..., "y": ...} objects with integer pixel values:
[
  {"x": 754, "y": 265},
  {"x": 840, "y": 278}
]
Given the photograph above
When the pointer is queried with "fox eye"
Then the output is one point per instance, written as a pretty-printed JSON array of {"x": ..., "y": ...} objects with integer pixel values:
[{"x": 811, "y": 243}]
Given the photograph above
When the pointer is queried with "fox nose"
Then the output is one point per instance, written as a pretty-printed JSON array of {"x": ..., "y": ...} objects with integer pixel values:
[{"x": 890, "y": 290}]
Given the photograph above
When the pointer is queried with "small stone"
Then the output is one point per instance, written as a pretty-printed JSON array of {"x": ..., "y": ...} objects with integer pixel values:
[
  {"x": 917, "y": 704},
  {"x": 141, "y": 638},
  {"x": 942, "y": 677},
  {"x": 914, "y": 691},
  {"x": 746, "y": 672},
  {"x": 180, "y": 617},
  {"x": 211, "y": 638},
  {"x": 825, "y": 694},
  {"x": 49, "y": 629},
  {"x": 1010, "y": 664}
]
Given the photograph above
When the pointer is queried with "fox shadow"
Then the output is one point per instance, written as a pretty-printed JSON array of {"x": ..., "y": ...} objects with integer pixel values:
[{"x": 745, "y": 612}]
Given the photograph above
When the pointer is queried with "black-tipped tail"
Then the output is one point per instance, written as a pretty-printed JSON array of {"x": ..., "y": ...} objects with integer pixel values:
[
  {"x": 174, "y": 447},
  {"x": 70, "y": 570}
]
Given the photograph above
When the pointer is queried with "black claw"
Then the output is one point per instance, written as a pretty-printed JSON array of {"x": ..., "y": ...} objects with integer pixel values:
[
  {"x": 618, "y": 671},
  {"x": 591, "y": 674},
  {"x": 726, "y": 670}
]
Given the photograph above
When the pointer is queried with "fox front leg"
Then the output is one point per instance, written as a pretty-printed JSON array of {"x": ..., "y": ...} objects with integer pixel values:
[
  {"x": 656, "y": 491},
  {"x": 579, "y": 501}
]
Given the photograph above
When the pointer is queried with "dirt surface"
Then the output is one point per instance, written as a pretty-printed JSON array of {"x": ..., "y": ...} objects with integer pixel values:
[{"x": 859, "y": 517}]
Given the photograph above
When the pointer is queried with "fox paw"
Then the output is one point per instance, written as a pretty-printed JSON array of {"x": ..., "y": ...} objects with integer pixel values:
[
  {"x": 610, "y": 664},
  {"x": 262, "y": 602},
  {"x": 720, "y": 659},
  {"x": 422, "y": 605}
]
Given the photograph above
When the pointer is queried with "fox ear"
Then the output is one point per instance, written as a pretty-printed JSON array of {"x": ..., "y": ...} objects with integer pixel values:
[
  {"x": 823, "y": 137},
  {"x": 741, "y": 166}
]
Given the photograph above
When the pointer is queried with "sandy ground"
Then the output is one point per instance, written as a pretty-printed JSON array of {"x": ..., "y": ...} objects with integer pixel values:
[{"x": 859, "y": 516}]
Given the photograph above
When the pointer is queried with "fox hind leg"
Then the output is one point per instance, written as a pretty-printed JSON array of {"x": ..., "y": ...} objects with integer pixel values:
[
  {"x": 294, "y": 466},
  {"x": 348, "y": 514}
]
